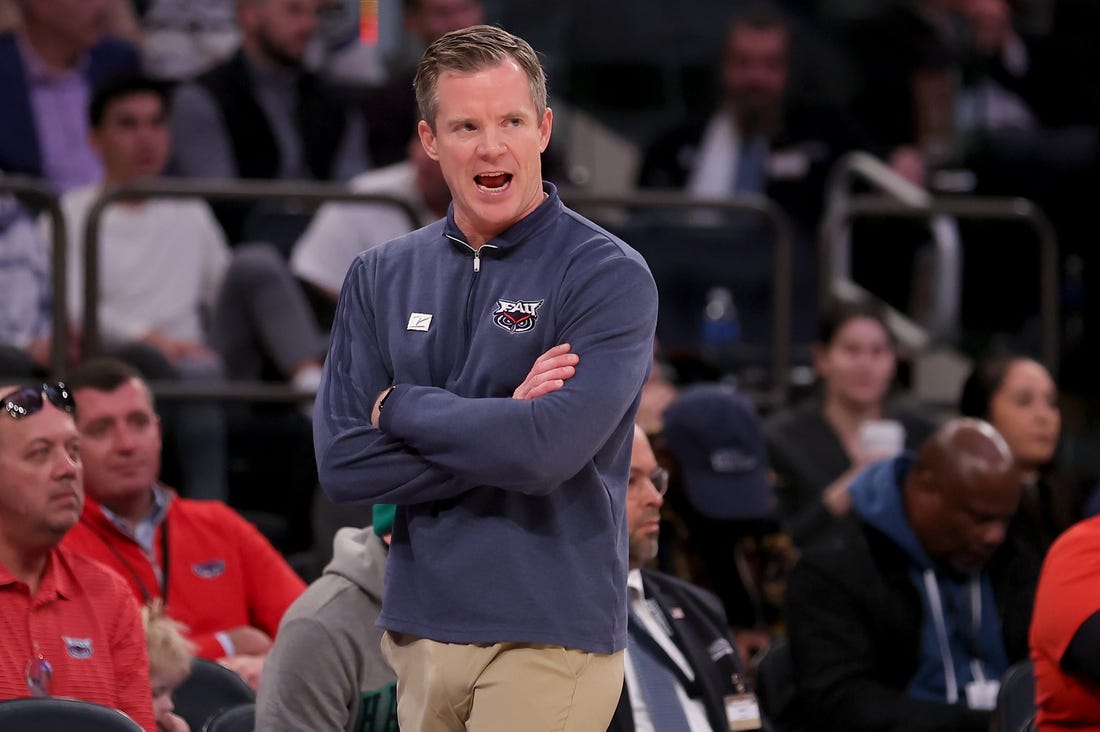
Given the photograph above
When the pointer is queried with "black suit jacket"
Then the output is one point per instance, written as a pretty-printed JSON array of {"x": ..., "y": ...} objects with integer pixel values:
[
  {"x": 820, "y": 134},
  {"x": 699, "y": 629}
]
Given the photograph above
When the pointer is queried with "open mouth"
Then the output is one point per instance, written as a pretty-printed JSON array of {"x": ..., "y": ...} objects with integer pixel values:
[{"x": 493, "y": 182}]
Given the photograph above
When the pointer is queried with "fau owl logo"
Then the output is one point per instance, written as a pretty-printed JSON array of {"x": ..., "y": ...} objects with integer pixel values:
[
  {"x": 210, "y": 569},
  {"x": 78, "y": 647},
  {"x": 517, "y": 316}
]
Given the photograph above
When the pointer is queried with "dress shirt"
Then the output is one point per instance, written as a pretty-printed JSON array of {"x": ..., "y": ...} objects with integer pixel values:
[
  {"x": 59, "y": 101},
  {"x": 655, "y": 623}
]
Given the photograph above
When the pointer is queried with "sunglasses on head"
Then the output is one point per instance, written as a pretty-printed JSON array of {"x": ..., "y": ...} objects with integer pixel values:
[{"x": 27, "y": 400}]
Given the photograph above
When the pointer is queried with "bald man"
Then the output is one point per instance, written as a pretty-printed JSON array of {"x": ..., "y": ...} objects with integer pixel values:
[
  {"x": 69, "y": 627},
  {"x": 905, "y": 617}
]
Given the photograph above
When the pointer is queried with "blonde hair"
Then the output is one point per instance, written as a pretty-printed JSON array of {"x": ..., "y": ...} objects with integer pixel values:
[
  {"x": 470, "y": 50},
  {"x": 170, "y": 653}
]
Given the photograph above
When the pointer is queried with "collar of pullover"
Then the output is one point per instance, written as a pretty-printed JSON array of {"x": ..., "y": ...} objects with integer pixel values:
[{"x": 517, "y": 233}]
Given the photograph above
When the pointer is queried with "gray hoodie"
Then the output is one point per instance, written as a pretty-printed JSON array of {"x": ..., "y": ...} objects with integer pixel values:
[{"x": 326, "y": 671}]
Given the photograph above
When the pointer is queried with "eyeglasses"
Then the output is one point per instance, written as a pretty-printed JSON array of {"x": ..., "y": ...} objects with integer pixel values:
[
  {"x": 28, "y": 400},
  {"x": 659, "y": 479},
  {"x": 38, "y": 673}
]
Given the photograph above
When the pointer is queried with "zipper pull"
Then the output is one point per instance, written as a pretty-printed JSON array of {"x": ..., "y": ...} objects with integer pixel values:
[{"x": 477, "y": 260}]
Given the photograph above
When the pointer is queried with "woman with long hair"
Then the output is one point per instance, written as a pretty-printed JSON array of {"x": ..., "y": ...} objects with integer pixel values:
[
  {"x": 817, "y": 447},
  {"x": 1018, "y": 396}
]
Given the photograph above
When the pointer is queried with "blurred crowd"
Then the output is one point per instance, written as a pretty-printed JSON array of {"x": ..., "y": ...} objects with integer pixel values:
[{"x": 754, "y": 101}]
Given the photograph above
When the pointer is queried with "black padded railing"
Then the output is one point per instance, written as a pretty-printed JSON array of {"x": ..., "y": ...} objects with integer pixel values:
[
  {"x": 763, "y": 207},
  {"x": 211, "y": 190},
  {"x": 979, "y": 208},
  {"x": 36, "y": 191}
]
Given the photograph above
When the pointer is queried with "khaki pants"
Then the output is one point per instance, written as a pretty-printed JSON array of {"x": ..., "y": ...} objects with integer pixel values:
[{"x": 503, "y": 687}]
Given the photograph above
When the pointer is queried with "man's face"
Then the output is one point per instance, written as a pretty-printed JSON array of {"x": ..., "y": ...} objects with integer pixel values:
[
  {"x": 488, "y": 139},
  {"x": 966, "y": 519},
  {"x": 428, "y": 20},
  {"x": 121, "y": 441},
  {"x": 41, "y": 493},
  {"x": 281, "y": 28},
  {"x": 133, "y": 138},
  {"x": 643, "y": 503},
  {"x": 755, "y": 67},
  {"x": 79, "y": 24}
]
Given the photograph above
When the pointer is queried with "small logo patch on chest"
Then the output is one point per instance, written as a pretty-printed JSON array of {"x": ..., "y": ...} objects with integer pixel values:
[
  {"x": 517, "y": 316},
  {"x": 78, "y": 647},
  {"x": 419, "y": 321},
  {"x": 209, "y": 569}
]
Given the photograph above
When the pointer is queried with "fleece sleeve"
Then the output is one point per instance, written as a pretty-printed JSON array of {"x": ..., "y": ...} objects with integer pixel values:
[
  {"x": 608, "y": 315},
  {"x": 357, "y": 462}
]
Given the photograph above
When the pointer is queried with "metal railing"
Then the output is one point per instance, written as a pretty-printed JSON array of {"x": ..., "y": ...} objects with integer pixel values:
[
  {"x": 36, "y": 190},
  {"x": 838, "y": 217},
  {"x": 968, "y": 207},
  {"x": 860, "y": 166},
  {"x": 211, "y": 190},
  {"x": 781, "y": 282}
]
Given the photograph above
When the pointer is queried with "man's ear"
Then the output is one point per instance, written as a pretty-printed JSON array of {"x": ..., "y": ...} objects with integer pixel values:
[
  {"x": 427, "y": 139},
  {"x": 545, "y": 128}
]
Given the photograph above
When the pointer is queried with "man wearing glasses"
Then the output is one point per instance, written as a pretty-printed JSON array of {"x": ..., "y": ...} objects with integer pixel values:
[
  {"x": 682, "y": 672},
  {"x": 69, "y": 627}
]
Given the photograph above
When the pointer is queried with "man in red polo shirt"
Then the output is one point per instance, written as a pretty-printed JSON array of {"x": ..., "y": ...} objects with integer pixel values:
[
  {"x": 68, "y": 626},
  {"x": 215, "y": 572}
]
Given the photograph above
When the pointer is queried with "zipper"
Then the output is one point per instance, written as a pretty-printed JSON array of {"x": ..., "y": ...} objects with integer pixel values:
[
  {"x": 476, "y": 252},
  {"x": 472, "y": 289}
]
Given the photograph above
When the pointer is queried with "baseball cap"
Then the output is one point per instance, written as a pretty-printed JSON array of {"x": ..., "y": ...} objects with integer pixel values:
[{"x": 714, "y": 433}]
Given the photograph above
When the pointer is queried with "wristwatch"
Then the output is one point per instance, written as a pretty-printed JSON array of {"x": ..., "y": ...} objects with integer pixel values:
[{"x": 382, "y": 401}]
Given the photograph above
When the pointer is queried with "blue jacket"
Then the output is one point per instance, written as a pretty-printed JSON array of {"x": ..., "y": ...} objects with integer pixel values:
[
  {"x": 511, "y": 514},
  {"x": 877, "y": 500},
  {"x": 857, "y": 621},
  {"x": 19, "y": 147}
]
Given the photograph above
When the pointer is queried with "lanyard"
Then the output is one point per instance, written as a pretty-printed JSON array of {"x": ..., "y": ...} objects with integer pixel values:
[
  {"x": 164, "y": 560},
  {"x": 935, "y": 603},
  {"x": 148, "y": 596}
]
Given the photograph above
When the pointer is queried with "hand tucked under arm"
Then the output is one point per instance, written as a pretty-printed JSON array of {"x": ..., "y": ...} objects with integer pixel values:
[{"x": 355, "y": 460}]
